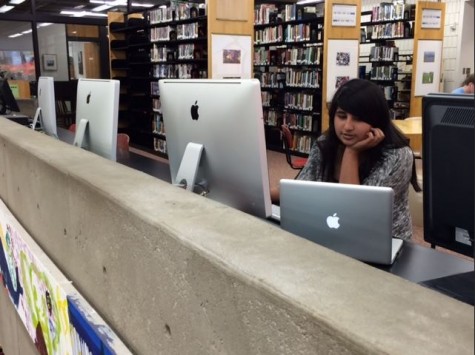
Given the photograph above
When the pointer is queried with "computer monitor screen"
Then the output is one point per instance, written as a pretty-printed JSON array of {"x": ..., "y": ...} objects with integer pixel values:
[
  {"x": 448, "y": 171},
  {"x": 97, "y": 110},
  {"x": 7, "y": 100},
  {"x": 225, "y": 117},
  {"x": 46, "y": 111}
]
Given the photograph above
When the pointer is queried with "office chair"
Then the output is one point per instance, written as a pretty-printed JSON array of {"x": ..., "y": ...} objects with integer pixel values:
[
  {"x": 295, "y": 162},
  {"x": 123, "y": 140}
]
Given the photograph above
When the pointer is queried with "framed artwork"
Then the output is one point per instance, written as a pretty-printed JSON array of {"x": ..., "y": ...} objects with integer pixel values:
[
  {"x": 429, "y": 62},
  {"x": 232, "y": 56},
  {"x": 50, "y": 62},
  {"x": 342, "y": 56}
]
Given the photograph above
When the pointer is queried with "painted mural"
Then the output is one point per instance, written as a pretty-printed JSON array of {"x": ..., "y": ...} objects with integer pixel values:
[
  {"x": 55, "y": 320},
  {"x": 38, "y": 298}
]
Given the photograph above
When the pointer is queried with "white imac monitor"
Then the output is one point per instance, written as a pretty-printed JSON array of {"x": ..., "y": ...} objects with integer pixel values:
[
  {"x": 97, "y": 110},
  {"x": 224, "y": 118},
  {"x": 46, "y": 111}
]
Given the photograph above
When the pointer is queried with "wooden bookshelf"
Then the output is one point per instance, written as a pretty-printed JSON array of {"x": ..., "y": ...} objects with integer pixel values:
[
  {"x": 140, "y": 65},
  {"x": 288, "y": 52}
]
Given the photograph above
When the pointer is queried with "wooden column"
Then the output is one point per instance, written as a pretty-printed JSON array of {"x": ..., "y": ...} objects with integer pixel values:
[
  {"x": 230, "y": 17},
  {"x": 423, "y": 34},
  {"x": 336, "y": 32}
]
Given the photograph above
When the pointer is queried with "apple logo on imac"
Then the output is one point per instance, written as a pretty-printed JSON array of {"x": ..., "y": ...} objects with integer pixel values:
[
  {"x": 194, "y": 111},
  {"x": 332, "y": 221},
  {"x": 88, "y": 98}
]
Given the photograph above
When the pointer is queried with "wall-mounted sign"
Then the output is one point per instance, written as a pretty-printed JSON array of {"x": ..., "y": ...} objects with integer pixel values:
[
  {"x": 431, "y": 18},
  {"x": 343, "y": 15}
]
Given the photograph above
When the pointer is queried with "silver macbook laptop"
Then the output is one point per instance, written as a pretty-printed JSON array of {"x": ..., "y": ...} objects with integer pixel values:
[{"x": 355, "y": 220}]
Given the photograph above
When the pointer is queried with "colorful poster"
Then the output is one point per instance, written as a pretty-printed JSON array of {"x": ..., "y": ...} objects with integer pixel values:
[
  {"x": 58, "y": 320},
  {"x": 38, "y": 298}
]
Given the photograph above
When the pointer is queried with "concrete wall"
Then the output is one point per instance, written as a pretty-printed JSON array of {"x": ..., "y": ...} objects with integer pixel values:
[{"x": 175, "y": 273}]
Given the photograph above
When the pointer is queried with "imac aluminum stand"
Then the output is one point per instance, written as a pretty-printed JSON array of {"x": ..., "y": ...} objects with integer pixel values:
[
  {"x": 188, "y": 169},
  {"x": 80, "y": 133},
  {"x": 36, "y": 118}
]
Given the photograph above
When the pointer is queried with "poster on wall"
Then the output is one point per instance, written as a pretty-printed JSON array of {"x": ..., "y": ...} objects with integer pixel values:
[
  {"x": 56, "y": 318},
  {"x": 38, "y": 297},
  {"x": 231, "y": 57},
  {"x": 342, "y": 59},
  {"x": 429, "y": 58}
]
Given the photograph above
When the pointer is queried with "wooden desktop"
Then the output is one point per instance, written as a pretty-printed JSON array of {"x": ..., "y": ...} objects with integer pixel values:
[{"x": 412, "y": 129}]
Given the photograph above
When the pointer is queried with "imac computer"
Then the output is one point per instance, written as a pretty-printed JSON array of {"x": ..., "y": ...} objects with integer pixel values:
[
  {"x": 97, "y": 111},
  {"x": 46, "y": 111},
  {"x": 215, "y": 140},
  {"x": 448, "y": 171},
  {"x": 7, "y": 100}
]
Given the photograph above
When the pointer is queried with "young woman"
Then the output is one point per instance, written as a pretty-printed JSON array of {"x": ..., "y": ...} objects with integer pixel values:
[{"x": 362, "y": 146}]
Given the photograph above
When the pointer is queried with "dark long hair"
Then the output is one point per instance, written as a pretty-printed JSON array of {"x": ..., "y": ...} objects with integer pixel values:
[{"x": 365, "y": 100}]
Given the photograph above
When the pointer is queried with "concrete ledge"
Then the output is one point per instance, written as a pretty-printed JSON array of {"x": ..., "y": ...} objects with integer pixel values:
[{"x": 173, "y": 272}]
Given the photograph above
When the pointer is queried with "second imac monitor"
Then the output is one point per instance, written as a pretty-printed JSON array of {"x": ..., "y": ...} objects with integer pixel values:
[
  {"x": 225, "y": 118},
  {"x": 46, "y": 111},
  {"x": 97, "y": 111}
]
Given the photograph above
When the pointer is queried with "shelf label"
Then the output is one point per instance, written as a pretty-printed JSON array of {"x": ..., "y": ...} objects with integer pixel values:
[
  {"x": 431, "y": 18},
  {"x": 343, "y": 15}
]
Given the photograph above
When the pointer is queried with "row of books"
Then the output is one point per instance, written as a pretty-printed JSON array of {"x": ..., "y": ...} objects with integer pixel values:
[
  {"x": 298, "y": 101},
  {"x": 170, "y": 71},
  {"x": 298, "y": 121},
  {"x": 390, "y": 92},
  {"x": 288, "y": 33},
  {"x": 156, "y": 105},
  {"x": 161, "y": 14},
  {"x": 388, "y": 11},
  {"x": 301, "y": 143},
  {"x": 288, "y": 56},
  {"x": 383, "y": 53},
  {"x": 158, "y": 126},
  {"x": 384, "y": 72},
  {"x": 270, "y": 13},
  {"x": 161, "y": 33},
  {"x": 302, "y": 78},
  {"x": 154, "y": 88},
  {"x": 271, "y": 117},
  {"x": 175, "y": 12},
  {"x": 172, "y": 33},
  {"x": 160, "y": 145},
  {"x": 388, "y": 30},
  {"x": 183, "y": 52},
  {"x": 290, "y": 77},
  {"x": 158, "y": 54}
]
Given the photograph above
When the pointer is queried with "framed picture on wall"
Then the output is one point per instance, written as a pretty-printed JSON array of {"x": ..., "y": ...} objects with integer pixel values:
[{"x": 50, "y": 62}]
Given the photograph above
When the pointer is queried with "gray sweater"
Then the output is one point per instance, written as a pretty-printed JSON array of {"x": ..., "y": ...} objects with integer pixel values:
[{"x": 393, "y": 170}]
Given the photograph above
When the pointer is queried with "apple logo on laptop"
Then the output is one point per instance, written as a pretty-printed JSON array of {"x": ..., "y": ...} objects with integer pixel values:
[
  {"x": 194, "y": 111},
  {"x": 332, "y": 221},
  {"x": 88, "y": 98}
]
